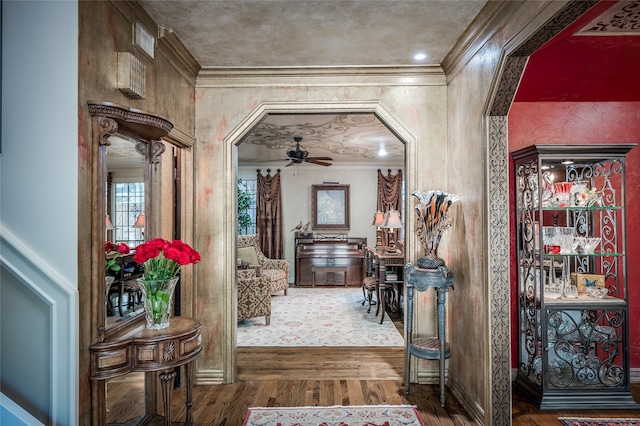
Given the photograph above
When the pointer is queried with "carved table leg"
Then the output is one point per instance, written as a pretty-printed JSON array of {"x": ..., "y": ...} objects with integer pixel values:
[
  {"x": 166, "y": 378},
  {"x": 189, "y": 402}
]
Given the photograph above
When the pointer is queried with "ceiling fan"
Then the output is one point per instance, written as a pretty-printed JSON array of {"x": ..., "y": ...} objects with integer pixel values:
[{"x": 299, "y": 155}]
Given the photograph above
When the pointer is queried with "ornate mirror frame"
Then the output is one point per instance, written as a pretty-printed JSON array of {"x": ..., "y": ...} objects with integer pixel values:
[{"x": 147, "y": 129}]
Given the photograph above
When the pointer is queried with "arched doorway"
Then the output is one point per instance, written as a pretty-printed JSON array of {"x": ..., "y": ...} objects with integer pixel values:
[{"x": 235, "y": 139}]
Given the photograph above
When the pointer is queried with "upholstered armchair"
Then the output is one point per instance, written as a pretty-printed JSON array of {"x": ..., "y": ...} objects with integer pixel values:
[
  {"x": 275, "y": 271},
  {"x": 254, "y": 296}
]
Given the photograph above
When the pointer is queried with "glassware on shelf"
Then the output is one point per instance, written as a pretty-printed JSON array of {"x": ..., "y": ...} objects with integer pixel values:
[
  {"x": 563, "y": 193},
  {"x": 597, "y": 292},
  {"x": 558, "y": 239},
  {"x": 585, "y": 245}
]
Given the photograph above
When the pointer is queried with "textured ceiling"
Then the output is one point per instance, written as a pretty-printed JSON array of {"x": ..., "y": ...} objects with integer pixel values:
[
  {"x": 595, "y": 59},
  {"x": 294, "y": 33},
  {"x": 345, "y": 138}
]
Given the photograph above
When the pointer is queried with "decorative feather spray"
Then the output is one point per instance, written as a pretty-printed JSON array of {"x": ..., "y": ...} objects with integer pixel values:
[{"x": 432, "y": 218}]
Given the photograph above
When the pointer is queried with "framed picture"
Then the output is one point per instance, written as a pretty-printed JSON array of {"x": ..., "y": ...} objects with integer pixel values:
[{"x": 330, "y": 206}]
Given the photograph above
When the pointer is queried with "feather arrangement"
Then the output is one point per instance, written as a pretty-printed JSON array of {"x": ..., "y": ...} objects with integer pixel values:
[{"x": 432, "y": 218}]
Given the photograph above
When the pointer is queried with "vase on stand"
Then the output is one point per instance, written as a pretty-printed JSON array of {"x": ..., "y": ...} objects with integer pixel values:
[
  {"x": 158, "y": 298},
  {"x": 430, "y": 262}
]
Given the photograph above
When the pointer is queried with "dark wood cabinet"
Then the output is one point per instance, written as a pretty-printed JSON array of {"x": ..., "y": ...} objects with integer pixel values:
[{"x": 330, "y": 261}]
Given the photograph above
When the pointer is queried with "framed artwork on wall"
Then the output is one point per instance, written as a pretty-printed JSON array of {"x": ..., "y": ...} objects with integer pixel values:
[{"x": 330, "y": 206}]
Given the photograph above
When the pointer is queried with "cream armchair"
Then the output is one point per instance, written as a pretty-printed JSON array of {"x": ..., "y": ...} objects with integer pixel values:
[{"x": 275, "y": 271}]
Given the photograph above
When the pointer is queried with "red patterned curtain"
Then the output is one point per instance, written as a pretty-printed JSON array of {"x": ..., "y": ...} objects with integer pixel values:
[
  {"x": 389, "y": 196},
  {"x": 269, "y": 215}
]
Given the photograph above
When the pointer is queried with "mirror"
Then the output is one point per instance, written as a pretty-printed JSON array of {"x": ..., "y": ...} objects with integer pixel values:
[
  {"x": 124, "y": 224},
  {"x": 126, "y": 147}
]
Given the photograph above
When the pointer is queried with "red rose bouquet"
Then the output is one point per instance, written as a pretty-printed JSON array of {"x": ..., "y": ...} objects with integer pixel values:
[
  {"x": 162, "y": 259},
  {"x": 121, "y": 248}
]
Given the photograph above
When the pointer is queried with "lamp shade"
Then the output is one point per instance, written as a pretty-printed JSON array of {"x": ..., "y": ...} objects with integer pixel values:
[
  {"x": 139, "y": 222},
  {"x": 108, "y": 225},
  {"x": 392, "y": 219},
  {"x": 378, "y": 218}
]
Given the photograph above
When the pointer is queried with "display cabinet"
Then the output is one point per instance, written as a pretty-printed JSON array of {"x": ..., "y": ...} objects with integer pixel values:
[{"x": 573, "y": 328}]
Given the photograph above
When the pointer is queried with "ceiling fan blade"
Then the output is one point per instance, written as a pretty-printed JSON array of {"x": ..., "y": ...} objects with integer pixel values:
[
  {"x": 291, "y": 163},
  {"x": 319, "y": 163},
  {"x": 319, "y": 158}
]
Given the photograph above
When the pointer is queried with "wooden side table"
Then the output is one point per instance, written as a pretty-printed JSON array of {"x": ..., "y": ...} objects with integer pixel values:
[
  {"x": 143, "y": 349},
  {"x": 428, "y": 348}
]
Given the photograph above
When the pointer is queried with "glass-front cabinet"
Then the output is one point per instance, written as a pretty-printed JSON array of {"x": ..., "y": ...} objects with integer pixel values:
[{"x": 573, "y": 327}]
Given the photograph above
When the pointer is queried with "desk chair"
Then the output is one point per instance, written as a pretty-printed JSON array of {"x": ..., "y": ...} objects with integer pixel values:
[
  {"x": 370, "y": 281},
  {"x": 432, "y": 348}
]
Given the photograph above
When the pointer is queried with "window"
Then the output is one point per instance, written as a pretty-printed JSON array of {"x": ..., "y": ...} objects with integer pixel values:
[
  {"x": 129, "y": 204},
  {"x": 247, "y": 187}
]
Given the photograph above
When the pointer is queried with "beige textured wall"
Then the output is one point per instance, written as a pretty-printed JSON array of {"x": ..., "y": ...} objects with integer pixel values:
[
  {"x": 223, "y": 107},
  {"x": 469, "y": 92}
]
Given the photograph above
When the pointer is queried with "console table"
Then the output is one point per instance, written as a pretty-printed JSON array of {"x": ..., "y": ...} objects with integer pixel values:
[
  {"x": 142, "y": 349},
  {"x": 428, "y": 347},
  {"x": 319, "y": 260}
]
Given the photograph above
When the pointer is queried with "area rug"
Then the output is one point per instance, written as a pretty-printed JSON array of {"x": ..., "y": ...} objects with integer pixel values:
[
  {"x": 367, "y": 415},
  {"x": 588, "y": 421},
  {"x": 319, "y": 317}
]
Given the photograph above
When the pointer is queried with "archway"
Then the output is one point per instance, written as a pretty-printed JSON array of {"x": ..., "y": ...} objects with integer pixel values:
[
  {"x": 499, "y": 297},
  {"x": 234, "y": 139}
]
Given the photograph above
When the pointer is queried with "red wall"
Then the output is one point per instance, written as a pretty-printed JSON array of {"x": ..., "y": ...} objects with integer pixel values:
[{"x": 584, "y": 123}]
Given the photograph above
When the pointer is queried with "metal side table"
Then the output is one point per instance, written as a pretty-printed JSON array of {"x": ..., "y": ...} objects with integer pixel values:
[{"x": 433, "y": 348}]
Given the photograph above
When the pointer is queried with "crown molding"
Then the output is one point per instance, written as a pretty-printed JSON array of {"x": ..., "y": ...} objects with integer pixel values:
[
  {"x": 172, "y": 48},
  {"x": 429, "y": 75},
  {"x": 490, "y": 19}
]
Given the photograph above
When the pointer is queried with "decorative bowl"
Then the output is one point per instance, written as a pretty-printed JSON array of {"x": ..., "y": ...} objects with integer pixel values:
[
  {"x": 584, "y": 245},
  {"x": 597, "y": 292},
  {"x": 591, "y": 244},
  {"x": 552, "y": 291}
]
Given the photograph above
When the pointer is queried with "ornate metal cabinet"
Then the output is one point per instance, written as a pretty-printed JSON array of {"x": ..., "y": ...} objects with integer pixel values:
[{"x": 572, "y": 276}]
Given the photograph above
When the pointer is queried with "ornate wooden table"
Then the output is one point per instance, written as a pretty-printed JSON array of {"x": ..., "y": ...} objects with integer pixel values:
[{"x": 142, "y": 349}]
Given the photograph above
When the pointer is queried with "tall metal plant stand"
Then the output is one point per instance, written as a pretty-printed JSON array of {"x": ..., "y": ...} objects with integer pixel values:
[{"x": 432, "y": 348}]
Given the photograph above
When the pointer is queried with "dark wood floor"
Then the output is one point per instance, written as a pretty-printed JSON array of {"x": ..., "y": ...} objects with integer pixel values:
[{"x": 323, "y": 376}]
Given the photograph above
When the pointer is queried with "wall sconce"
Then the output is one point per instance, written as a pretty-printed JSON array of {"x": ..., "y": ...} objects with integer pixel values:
[
  {"x": 108, "y": 225},
  {"x": 140, "y": 224},
  {"x": 131, "y": 76}
]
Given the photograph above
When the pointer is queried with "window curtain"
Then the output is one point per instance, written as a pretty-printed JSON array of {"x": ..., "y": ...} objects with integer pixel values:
[
  {"x": 389, "y": 196},
  {"x": 269, "y": 215}
]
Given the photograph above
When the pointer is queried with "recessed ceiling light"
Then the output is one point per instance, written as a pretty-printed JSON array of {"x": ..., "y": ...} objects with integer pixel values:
[
  {"x": 382, "y": 152},
  {"x": 419, "y": 56}
]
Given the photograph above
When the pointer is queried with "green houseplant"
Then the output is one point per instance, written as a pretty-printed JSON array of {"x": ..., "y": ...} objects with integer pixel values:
[{"x": 244, "y": 202}]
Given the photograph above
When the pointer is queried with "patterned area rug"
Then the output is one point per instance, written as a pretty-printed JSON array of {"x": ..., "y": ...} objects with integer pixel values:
[
  {"x": 375, "y": 415},
  {"x": 587, "y": 421},
  {"x": 319, "y": 317}
]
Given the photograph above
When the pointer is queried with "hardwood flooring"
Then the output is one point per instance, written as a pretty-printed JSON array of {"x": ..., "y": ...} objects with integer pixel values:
[
  {"x": 286, "y": 377},
  {"x": 323, "y": 376}
]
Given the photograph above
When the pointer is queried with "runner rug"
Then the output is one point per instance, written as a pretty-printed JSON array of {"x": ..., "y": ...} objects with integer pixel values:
[
  {"x": 319, "y": 317},
  {"x": 367, "y": 415},
  {"x": 587, "y": 421}
]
